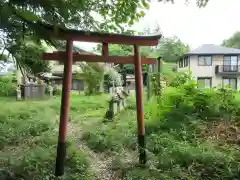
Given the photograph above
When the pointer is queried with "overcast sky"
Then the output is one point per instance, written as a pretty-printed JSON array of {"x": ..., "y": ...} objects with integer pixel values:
[{"x": 194, "y": 26}]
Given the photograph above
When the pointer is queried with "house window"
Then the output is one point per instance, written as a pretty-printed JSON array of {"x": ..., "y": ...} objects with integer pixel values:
[
  {"x": 183, "y": 62},
  {"x": 204, "y": 60},
  {"x": 230, "y": 64},
  {"x": 204, "y": 82},
  {"x": 230, "y": 82},
  {"x": 180, "y": 63}
]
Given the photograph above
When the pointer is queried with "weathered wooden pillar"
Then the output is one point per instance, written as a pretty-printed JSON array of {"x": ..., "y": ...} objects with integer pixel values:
[
  {"x": 64, "y": 112},
  {"x": 139, "y": 101},
  {"x": 148, "y": 82},
  {"x": 159, "y": 89},
  {"x": 105, "y": 52}
]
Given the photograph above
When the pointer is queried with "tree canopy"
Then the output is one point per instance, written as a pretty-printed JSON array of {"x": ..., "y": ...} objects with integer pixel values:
[
  {"x": 233, "y": 41},
  {"x": 93, "y": 74},
  {"x": 171, "y": 49},
  {"x": 125, "y": 50},
  {"x": 97, "y": 15},
  {"x": 21, "y": 19},
  {"x": 24, "y": 18},
  {"x": 27, "y": 56},
  {"x": 199, "y": 3}
]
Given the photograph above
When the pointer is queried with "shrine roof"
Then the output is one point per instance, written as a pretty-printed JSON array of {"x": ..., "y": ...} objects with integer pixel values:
[{"x": 100, "y": 37}]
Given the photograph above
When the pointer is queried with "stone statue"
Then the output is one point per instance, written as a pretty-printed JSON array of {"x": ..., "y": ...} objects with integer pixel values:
[{"x": 50, "y": 90}]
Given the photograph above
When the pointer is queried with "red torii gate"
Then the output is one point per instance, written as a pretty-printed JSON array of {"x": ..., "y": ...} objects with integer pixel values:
[{"x": 68, "y": 57}]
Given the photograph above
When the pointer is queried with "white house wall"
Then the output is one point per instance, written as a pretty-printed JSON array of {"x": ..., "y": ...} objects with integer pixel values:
[{"x": 209, "y": 71}]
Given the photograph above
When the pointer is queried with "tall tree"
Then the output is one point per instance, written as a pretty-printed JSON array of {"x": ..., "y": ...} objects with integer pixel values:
[
  {"x": 124, "y": 50},
  {"x": 171, "y": 48},
  {"x": 233, "y": 41},
  {"x": 28, "y": 15},
  {"x": 20, "y": 18},
  {"x": 83, "y": 14},
  {"x": 93, "y": 74},
  {"x": 24, "y": 19},
  {"x": 27, "y": 58}
]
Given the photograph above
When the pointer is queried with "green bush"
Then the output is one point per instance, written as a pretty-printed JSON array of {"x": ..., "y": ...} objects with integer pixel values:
[
  {"x": 7, "y": 86},
  {"x": 174, "y": 127},
  {"x": 184, "y": 95},
  {"x": 174, "y": 134},
  {"x": 179, "y": 78},
  {"x": 93, "y": 74},
  {"x": 57, "y": 91}
]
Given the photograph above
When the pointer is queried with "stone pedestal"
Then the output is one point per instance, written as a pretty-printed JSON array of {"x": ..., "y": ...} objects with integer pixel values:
[
  {"x": 50, "y": 90},
  {"x": 116, "y": 104}
]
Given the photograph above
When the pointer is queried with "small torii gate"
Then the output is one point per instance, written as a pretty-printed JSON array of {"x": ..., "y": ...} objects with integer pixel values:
[{"x": 69, "y": 57}]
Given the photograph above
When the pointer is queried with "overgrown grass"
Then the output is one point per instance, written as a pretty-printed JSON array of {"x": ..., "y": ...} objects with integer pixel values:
[
  {"x": 28, "y": 137},
  {"x": 21, "y": 121},
  {"x": 177, "y": 143},
  {"x": 190, "y": 134}
]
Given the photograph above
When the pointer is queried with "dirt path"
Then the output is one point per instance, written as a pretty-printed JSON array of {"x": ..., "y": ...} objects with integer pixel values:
[{"x": 99, "y": 163}]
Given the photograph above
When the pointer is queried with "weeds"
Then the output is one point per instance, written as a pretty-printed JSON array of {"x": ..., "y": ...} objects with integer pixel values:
[
  {"x": 177, "y": 142},
  {"x": 28, "y": 132},
  {"x": 191, "y": 134}
]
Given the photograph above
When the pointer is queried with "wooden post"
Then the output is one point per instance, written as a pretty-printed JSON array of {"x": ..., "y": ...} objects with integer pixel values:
[
  {"x": 105, "y": 52},
  {"x": 64, "y": 113},
  {"x": 148, "y": 83},
  {"x": 139, "y": 101},
  {"x": 159, "y": 75}
]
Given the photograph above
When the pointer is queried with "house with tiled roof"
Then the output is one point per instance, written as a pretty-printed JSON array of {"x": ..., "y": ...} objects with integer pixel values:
[
  {"x": 213, "y": 66},
  {"x": 57, "y": 67}
]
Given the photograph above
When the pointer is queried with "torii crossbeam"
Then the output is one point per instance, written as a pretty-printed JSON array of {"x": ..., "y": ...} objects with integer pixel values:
[{"x": 68, "y": 57}]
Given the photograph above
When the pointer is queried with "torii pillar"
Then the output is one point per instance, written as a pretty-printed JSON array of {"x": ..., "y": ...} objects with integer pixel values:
[
  {"x": 68, "y": 57},
  {"x": 64, "y": 111}
]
